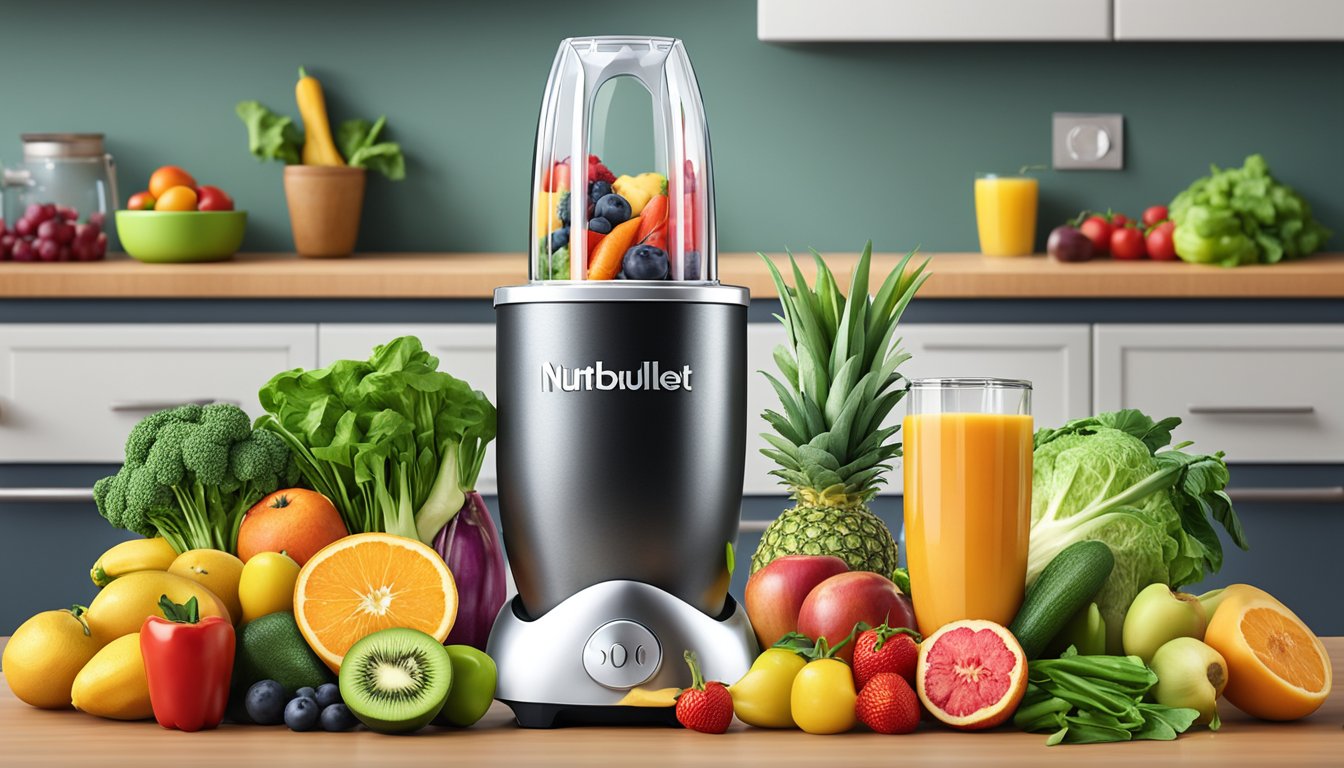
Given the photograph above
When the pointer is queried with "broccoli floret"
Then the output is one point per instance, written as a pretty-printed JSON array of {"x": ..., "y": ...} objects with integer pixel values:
[{"x": 191, "y": 473}]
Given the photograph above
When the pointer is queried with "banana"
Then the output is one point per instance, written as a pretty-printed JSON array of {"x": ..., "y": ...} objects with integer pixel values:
[{"x": 130, "y": 556}]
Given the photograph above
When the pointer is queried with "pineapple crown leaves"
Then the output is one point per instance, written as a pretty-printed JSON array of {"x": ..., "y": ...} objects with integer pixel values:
[{"x": 838, "y": 380}]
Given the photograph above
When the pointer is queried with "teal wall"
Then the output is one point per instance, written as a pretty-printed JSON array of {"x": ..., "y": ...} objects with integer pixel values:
[{"x": 823, "y": 145}]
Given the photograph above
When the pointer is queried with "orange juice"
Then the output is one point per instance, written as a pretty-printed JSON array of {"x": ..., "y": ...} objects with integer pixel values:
[
  {"x": 1005, "y": 214},
  {"x": 967, "y": 515}
]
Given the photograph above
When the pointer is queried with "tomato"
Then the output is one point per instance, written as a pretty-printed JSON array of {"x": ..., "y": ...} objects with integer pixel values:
[
  {"x": 1127, "y": 243},
  {"x": 1098, "y": 230},
  {"x": 140, "y": 201},
  {"x": 1154, "y": 214},
  {"x": 180, "y": 198},
  {"x": 167, "y": 177},
  {"x": 1119, "y": 220},
  {"x": 1159, "y": 242},
  {"x": 213, "y": 199}
]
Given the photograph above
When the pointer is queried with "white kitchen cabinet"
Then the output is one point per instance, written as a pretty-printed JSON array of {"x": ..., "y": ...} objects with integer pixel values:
[
  {"x": 71, "y": 392},
  {"x": 932, "y": 20},
  {"x": 1229, "y": 20},
  {"x": 1267, "y": 394},
  {"x": 465, "y": 350},
  {"x": 1053, "y": 357}
]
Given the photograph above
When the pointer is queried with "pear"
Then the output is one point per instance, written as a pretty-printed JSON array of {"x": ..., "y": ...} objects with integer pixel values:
[
  {"x": 1159, "y": 615},
  {"x": 1190, "y": 674}
]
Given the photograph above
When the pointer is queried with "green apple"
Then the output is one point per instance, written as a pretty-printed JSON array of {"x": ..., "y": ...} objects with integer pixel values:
[
  {"x": 1158, "y": 615},
  {"x": 1190, "y": 674}
]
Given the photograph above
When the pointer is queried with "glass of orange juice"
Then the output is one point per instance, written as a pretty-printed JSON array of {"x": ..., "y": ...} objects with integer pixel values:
[
  {"x": 1005, "y": 214},
  {"x": 967, "y": 498}
]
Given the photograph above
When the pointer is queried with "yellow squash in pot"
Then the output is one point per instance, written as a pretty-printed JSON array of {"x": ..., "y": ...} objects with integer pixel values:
[{"x": 318, "y": 146}]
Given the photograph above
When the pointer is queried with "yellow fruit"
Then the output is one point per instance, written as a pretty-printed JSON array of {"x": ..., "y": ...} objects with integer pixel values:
[
  {"x": 176, "y": 199},
  {"x": 1277, "y": 669},
  {"x": 154, "y": 554},
  {"x": 45, "y": 654},
  {"x": 267, "y": 585},
  {"x": 217, "y": 571},
  {"x": 124, "y": 604},
  {"x": 113, "y": 684},
  {"x": 547, "y": 219}
]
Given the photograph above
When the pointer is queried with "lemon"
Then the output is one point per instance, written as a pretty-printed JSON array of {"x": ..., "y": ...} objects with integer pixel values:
[
  {"x": 45, "y": 654},
  {"x": 113, "y": 684},
  {"x": 218, "y": 571},
  {"x": 267, "y": 585},
  {"x": 124, "y": 604}
]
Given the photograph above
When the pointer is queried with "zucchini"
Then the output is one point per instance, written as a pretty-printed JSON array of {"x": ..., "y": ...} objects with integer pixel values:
[{"x": 1064, "y": 588}]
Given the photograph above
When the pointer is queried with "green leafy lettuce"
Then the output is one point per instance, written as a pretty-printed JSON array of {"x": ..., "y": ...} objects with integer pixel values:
[
  {"x": 1105, "y": 478},
  {"x": 392, "y": 441},
  {"x": 358, "y": 143},
  {"x": 270, "y": 136}
]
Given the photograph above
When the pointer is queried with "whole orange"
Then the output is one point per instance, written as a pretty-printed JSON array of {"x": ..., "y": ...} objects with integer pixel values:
[
  {"x": 295, "y": 521},
  {"x": 166, "y": 178},
  {"x": 176, "y": 199}
]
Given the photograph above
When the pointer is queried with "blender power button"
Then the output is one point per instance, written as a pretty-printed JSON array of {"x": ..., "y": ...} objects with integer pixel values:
[{"x": 622, "y": 654}]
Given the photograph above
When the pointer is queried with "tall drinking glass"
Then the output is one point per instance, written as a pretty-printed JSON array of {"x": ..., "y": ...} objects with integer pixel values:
[{"x": 967, "y": 498}]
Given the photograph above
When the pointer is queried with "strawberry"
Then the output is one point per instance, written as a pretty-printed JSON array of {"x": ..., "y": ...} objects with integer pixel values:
[
  {"x": 887, "y": 704},
  {"x": 704, "y": 707},
  {"x": 885, "y": 649},
  {"x": 599, "y": 172}
]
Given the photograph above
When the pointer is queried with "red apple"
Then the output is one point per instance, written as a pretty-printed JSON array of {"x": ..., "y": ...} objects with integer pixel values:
[
  {"x": 776, "y": 592},
  {"x": 213, "y": 199},
  {"x": 835, "y": 605}
]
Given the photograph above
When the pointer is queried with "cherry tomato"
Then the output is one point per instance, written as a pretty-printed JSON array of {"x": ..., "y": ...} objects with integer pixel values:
[
  {"x": 1098, "y": 230},
  {"x": 213, "y": 199},
  {"x": 167, "y": 177},
  {"x": 1127, "y": 243},
  {"x": 1160, "y": 246},
  {"x": 176, "y": 199},
  {"x": 1154, "y": 214},
  {"x": 1119, "y": 220},
  {"x": 140, "y": 201}
]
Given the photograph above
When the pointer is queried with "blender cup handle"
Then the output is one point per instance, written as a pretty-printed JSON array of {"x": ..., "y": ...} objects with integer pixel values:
[{"x": 110, "y": 165}]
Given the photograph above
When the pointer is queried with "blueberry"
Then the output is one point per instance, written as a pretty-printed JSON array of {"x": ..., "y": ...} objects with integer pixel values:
[
  {"x": 306, "y": 692},
  {"x": 337, "y": 717},
  {"x": 645, "y": 262},
  {"x": 692, "y": 268},
  {"x": 599, "y": 225},
  {"x": 265, "y": 703},
  {"x": 562, "y": 208},
  {"x": 328, "y": 694},
  {"x": 613, "y": 208},
  {"x": 598, "y": 190},
  {"x": 301, "y": 714},
  {"x": 559, "y": 239}
]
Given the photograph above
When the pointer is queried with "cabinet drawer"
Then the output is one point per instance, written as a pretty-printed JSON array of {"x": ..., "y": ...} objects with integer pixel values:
[
  {"x": 465, "y": 350},
  {"x": 71, "y": 393},
  {"x": 1053, "y": 357},
  {"x": 1267, "y": 394}
]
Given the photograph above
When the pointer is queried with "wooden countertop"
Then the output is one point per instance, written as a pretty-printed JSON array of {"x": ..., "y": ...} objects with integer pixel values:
[
  {"x": 476, "y": 275},
  {"x": 30, "y": 737}
]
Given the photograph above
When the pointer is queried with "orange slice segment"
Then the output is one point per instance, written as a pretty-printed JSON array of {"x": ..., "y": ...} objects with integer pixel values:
[{"x": 367, "y": 582}]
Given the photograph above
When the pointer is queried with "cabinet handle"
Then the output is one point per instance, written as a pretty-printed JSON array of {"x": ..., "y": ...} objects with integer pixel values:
[
  {"x": 1253, "y": 410},
  {"x": 45, "y": 495},
  {"x": 1325, "y": 494},
  {"x": 753, "y": 526},
  {"x": 140, "y": 406}
]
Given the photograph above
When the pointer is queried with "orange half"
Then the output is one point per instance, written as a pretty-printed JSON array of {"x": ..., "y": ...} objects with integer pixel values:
[
  {"x": 1277, "y": 669},
  {"x": 371, "y": 581}
]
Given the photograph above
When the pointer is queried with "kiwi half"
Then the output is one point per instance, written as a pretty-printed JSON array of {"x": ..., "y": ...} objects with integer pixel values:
[{"x": 396, "y": 680}]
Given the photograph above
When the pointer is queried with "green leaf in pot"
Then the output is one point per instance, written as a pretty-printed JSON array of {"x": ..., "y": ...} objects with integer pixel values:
[
  {"x": 270, "y": 136},
  {"x": 358, "y": 142}
]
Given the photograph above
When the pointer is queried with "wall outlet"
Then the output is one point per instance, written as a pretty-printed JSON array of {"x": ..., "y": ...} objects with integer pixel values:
[{"x": 1088, "y": 141}]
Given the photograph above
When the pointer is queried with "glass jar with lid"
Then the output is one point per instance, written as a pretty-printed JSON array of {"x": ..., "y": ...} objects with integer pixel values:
[{"x": 71, "y": 170}]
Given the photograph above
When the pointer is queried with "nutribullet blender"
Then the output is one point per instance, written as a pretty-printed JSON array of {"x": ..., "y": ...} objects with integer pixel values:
[{"x": 622, "y": 409}]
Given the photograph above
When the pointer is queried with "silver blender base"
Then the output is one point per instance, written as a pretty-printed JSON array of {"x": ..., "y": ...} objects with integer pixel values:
[{"x": 575, "y": 664}]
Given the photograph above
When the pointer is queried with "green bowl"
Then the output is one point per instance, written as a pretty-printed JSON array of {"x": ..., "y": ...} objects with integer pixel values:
[{"x": 164, "y": 237}]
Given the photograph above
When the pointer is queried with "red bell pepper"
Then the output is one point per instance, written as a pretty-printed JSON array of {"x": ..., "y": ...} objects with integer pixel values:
[{"x": 189, "y": 663}]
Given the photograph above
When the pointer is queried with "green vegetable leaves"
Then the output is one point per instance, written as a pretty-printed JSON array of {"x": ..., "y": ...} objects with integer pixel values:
[
  {"x": 358, "y": 142},
  {"x": 270, "y": 136},
  {"x": 1095, "y": 699},
  {"x": 1241, "y": 216}
]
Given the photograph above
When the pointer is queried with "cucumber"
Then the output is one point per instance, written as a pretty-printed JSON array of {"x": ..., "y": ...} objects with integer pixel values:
[{"x": 1065, "y": 587}]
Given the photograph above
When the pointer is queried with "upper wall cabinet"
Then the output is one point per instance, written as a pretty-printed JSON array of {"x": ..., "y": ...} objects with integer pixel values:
[
  {"x": 799, "y": 21},
  {"x": 796, "y": 21}
]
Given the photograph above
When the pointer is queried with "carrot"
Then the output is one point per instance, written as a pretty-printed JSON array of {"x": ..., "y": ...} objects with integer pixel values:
[
  {"x": 653, "y": 215},
  {"x": 607, "y": 257},
  {"x": 594, "y": 239}
]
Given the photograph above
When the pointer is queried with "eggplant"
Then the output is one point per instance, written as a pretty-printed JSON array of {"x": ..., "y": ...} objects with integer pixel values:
[
  {"x": 1068, "y": 244},
  {"x": 470, "y": 545}
]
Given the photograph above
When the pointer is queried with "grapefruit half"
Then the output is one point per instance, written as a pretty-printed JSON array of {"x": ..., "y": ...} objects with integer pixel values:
[{"x": 971, "y": 674}]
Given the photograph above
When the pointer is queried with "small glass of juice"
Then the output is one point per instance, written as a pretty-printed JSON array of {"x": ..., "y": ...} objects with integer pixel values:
[
  {"x": 1005, "y": 214},
  {"x": 967, "y": 498}
]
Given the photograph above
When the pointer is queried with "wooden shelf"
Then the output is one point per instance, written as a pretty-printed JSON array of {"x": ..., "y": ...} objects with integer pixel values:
[{"x": 476, "y": 275}]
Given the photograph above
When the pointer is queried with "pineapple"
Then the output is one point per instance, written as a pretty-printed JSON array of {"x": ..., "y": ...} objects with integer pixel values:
[{"x": 838, "y": 383}]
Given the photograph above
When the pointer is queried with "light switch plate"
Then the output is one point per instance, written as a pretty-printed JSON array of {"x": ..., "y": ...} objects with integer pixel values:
[{"x": 1088, "y": 141}]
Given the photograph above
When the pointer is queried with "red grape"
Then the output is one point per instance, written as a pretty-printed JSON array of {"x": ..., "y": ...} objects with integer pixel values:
[
  {"x": 100, "y": 245},
  {"x": 86, "y": 233},
  {"x": 48, "y": 250},
  {"x": 24, "y": 227},
  {"x": 66, "y": 233},
  {"x": 33, "y": 211},
  {"x": 48, "y": 230},
  {"x": 48, "y": 211},
  {"x": 3, "y": 229},
  {"x": 65, "y": 254},
  {"x": 97, "y": 218},
  {"x": 67, "y": 212},
  {"x": 6, "y": 246},
  {"x": 23, "y": 251}
]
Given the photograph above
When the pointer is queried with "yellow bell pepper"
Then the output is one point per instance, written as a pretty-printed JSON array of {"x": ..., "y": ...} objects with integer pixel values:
[
  {"x": 639, "y": 190},
  {"x": 761, "y": 697},
  {"x": 547, "y": 219}
]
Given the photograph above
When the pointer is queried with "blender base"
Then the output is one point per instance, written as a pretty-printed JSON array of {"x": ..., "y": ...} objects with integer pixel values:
[{"x": 577, "y": 664}]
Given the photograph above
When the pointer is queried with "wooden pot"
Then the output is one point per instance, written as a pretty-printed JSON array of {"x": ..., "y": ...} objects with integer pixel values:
[{"x": 324, "y": 207}]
